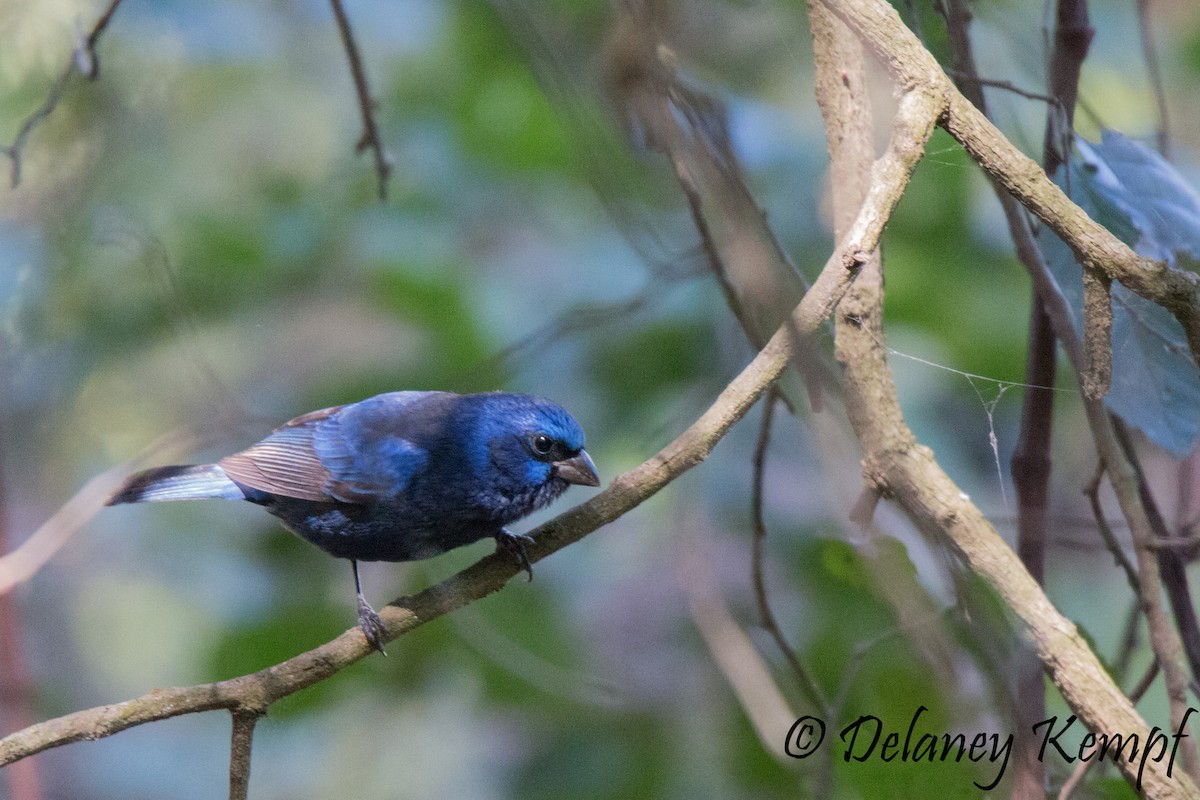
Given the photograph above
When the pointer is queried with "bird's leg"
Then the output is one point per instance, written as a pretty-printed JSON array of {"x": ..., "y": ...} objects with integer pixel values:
[
  {"x": 514, "y": 545},
  {"x": 370, "y": 622}
]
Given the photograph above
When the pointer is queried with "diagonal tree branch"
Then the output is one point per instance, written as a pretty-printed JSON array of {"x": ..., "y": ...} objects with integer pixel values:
[
  {"x": 22, "y": 563},
  {"x": 1122, "y": 475},
  {"x": 254, "y": 693},
  {"x": 662, "y": 113},
  {"x": 911, "y": 65},
  {"x": 897, "y": 467},
  {"x": 1031, "y": 457},
  {"x": 1051, "y": 320}
]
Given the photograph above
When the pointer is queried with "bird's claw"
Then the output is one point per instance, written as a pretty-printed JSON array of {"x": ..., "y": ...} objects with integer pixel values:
[
  {"x": 514, "y": 545},
  {"x": 372, "y": 625}
]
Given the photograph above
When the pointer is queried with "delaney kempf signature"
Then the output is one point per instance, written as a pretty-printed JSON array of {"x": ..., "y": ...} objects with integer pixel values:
[{"x": 868, "y": 738}]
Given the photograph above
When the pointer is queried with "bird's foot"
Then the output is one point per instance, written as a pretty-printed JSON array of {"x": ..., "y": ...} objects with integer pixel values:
[
  {"x": 371, "y": 624},
  {"x": 514, "y": 545}
]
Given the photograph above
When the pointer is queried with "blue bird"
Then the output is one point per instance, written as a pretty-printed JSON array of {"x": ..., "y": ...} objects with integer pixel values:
[{"x": 397, "y": 477}]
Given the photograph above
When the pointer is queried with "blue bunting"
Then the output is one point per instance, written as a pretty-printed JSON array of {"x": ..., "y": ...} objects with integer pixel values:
[{"x": 397, "y": 477}]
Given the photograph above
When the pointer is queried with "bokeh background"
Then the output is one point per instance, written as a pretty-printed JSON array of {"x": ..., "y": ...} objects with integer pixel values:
[{"x": 195, "y": 254}]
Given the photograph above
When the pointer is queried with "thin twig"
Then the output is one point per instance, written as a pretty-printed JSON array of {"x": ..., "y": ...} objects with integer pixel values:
[
  {"x": 1129, "y": 641},
  {"x": 807, "y": 683},
  {"x": 864, "y": 647},
  {"x": 1187, "y": 542},
  {"x": 1092, "y": 490},
  {"x": 585, "y": 318},
  {"x": 366, "y": 103},
  {"x": 1008, "y": 86},
  {"x": 911, "y": 65},
  {"x": 525, "y": 665},
  {"x": 1144, "y": 684},
  {"x": 760, "y": 284},
  {"x": 241, "y": 741},
  {"x": 1150, "y": 54},
  {"x": 83, "y": 59}
]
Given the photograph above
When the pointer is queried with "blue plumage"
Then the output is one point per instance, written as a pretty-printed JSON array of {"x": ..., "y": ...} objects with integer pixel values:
[{"x": 397, "y": 477}]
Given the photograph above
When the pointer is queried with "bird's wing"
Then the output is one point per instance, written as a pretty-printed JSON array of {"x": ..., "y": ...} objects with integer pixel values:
[
  {"x": 286, "y": 462},
  {"x": 354, "y": 454},
  {"x": 373, "y": 448}
]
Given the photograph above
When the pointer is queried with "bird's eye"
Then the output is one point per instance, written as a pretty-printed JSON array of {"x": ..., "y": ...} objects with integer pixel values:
[{"x": 542, "y": 444}]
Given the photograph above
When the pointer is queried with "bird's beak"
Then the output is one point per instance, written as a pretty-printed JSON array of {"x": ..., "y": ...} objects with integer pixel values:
[{"x": 578, "y": 469}]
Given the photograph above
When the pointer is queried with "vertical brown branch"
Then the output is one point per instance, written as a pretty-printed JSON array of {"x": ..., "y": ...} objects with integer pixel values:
[
  {"x": 1073, "y": 35},
  {"x": 240, "y": 742},
  {"x": 841, "y": 90},
  {"x": 1031, "y": 477},
  {"x": 1092, "y": 490},
  {"x": 1097, "y": 334},
  {"x": 1031, "y": 457}
]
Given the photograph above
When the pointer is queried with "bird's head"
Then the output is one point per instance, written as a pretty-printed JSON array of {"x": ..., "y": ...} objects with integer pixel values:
[{"x": 530, "y": 449}]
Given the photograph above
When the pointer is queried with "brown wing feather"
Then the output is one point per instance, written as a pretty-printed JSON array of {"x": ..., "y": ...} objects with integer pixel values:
[{"x": 285, "y": 462}]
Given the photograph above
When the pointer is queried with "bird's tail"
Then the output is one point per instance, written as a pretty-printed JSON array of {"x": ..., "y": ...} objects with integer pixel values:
[{"x": 188, "y": 482}]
